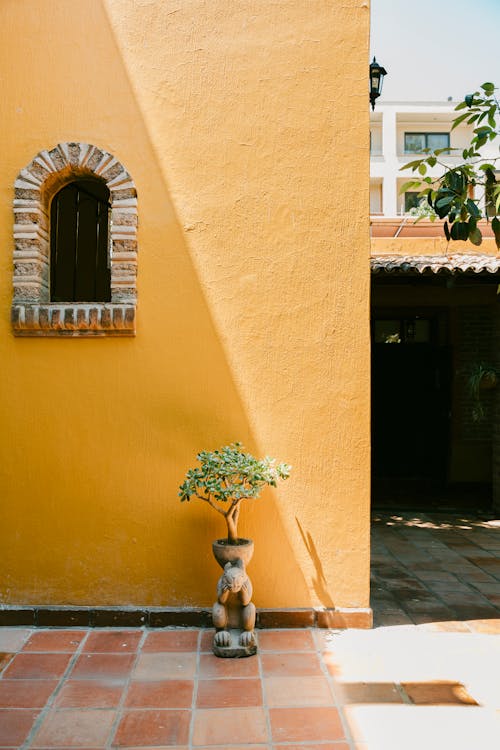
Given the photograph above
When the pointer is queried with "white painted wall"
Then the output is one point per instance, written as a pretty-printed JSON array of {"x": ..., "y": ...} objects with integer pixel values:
[{"x": 388, "y": 125}]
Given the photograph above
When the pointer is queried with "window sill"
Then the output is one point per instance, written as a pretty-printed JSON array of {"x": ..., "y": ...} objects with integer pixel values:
[{"x": 73, "y": 319}]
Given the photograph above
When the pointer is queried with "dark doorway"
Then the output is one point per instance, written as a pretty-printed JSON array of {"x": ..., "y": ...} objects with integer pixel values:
[{"x": 411, "y": 398}]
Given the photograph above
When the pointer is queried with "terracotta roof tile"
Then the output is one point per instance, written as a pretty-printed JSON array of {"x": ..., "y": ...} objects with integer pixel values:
[{"x": 460, "y": 263}]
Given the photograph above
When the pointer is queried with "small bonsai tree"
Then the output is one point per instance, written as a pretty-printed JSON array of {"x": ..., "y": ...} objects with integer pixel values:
[{"x": 228, "y": 476}]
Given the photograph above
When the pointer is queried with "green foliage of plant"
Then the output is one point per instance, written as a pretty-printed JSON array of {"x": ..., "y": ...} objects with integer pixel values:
[
  {"x": 449, "y": 195},
  {"x": 481, "y": 375},
  {"x": 423, "y": 211},
  {"x": 229, "y": 475}
]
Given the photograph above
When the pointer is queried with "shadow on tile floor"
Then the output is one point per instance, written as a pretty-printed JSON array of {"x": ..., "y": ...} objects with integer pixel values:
[
  {"x": 425, "y": 676},
  {"x": 434, "y": 567},
  {"x": 392, "y": 688}
]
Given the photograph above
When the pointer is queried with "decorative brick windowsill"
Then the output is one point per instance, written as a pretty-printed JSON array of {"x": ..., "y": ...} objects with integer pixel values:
[
  {"x": 80, "y": 319},
  {"x": 163, "y": 617}
]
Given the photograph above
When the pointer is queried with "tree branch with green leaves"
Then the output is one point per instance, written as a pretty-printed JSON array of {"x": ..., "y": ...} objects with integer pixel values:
[
  {"x": 228, "y": 476},
  {"x": 466, "y": 193}
]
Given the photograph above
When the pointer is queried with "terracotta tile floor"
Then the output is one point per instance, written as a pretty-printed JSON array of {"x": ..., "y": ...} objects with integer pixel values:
[
  {"x": 393, "y": 688},
  {"x": 425, "y": 678},
  {"x": 429, "y": 567}
]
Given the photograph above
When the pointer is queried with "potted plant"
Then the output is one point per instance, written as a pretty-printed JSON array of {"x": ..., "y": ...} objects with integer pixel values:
[
  {"x": 224, "y": 479},
  {"x": 482, "y": 377}
]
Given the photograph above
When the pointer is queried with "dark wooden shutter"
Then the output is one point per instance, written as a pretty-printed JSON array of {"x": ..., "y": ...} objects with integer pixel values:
[{"x": 79, "y": 233}]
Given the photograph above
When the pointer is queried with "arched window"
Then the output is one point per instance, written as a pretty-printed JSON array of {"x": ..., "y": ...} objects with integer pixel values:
[
  {"x": 75, "y": 236},
  {"x": 80, "y": 269}
]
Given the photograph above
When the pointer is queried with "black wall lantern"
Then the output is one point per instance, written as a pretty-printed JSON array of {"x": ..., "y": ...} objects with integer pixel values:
[{"x": 377, "y": 73}]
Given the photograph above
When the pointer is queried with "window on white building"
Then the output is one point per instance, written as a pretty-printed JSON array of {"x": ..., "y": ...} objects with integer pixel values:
[
  {"x": 490, "y": 197},
  {"x": 411, "y": 200},
  {"x": 415, "y": 143},
  {"x": 375, "y": 197}
]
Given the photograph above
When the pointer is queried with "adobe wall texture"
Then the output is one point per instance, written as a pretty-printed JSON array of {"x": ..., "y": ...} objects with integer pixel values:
[{"x": 247, "y": 142}]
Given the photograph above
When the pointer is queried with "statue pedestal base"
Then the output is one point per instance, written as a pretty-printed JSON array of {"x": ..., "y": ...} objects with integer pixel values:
[
  {"x": 233, "y": 613},
  {"x": 235, "y": 649}
]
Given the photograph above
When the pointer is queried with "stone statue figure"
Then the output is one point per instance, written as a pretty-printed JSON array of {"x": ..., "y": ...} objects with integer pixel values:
[{"x": 233, "y": 613}]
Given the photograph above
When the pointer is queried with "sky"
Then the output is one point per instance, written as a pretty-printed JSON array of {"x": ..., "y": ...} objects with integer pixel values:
[{"x": 434, "y": 49}]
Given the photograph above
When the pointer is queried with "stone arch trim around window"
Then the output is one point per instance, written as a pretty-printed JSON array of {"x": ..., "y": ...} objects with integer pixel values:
[{"x": 33, "y": 314}]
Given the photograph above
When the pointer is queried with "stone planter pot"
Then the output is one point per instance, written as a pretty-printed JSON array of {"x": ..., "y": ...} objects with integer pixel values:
[{"x": 224, "y": 552}]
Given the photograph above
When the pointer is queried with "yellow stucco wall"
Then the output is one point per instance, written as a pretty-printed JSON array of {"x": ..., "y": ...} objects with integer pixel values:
[{"x": 245, "y": 128}]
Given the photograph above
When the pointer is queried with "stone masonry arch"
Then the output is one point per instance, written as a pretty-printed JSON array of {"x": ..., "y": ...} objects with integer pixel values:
[{"x": 33, "y": 314}]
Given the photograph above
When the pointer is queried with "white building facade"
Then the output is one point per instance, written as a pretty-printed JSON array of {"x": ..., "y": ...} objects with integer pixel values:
[{"x": 398, "y": 133}]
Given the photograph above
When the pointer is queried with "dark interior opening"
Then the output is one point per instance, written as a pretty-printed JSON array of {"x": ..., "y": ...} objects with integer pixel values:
[
  {"x": 426, "y": 453},
  {"x": 79, "y": 239}
]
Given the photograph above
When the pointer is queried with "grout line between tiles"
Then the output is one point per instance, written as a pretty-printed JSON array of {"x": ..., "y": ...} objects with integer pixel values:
[
  {"x": 20, "y": 648},
  {"x": 50, "y": 702},
  {"x": 265, "y": 706},
  {"x": 333, "y": 691},
  {"x": 406, "y": 565},
  {"x": 121, "y": 703},
  {"x": 194, "y": 699}
]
